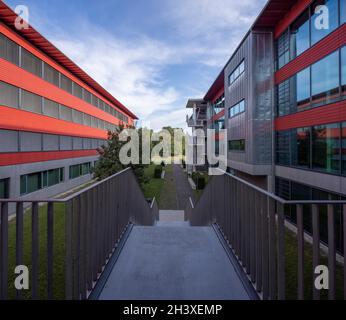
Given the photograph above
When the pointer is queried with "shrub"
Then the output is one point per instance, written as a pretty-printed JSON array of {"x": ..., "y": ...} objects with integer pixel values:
[
  {"x": 158, "y": 172},
  {"x": 199, "y": 180}
]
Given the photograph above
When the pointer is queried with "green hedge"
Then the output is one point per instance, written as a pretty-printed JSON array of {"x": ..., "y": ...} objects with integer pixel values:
[
  {"x": 199, "y": 180},
  {"x": 158, "y": 172}
]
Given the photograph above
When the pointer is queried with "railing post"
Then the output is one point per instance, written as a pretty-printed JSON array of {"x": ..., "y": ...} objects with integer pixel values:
[
  {"x": 344, "y": 225},
  {"x": 34, "y": 250},
  {"x": 272, "y": 251},
  {"x": 4, "y": 251},
  {"x": 259, "y": 244},
  {"x": 281, "y": 252},
  {"x": 316, "y": 246},
  {"x": 50, "y": 249},
  {"x": 19, "y": 239},
  {"x": 265, "y": 248},
  {"x": 300, "y": 226},
  {"x": 331, "y": 251},
  {"x": 68, "y": 251}
]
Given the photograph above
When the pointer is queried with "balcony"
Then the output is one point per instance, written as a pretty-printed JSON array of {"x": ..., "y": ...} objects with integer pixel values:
[{"x": 196, "y": 123}]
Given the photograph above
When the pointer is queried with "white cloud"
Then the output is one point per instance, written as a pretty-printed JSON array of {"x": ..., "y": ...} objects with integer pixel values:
[{"x": 133, "y": 69}]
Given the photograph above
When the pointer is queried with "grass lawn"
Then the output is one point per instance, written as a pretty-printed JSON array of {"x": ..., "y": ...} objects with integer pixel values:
[
  {"x": 162, "y": 189},
  {"x": 59, "y": 252},
  {"x": 154, "y": 186}
]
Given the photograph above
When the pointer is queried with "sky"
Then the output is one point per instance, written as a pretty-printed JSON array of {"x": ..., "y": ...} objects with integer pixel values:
[{"x": 152, "y": 55}]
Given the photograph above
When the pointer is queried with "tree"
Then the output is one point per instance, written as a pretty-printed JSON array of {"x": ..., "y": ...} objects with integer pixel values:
[{"x": 109, "y": 162}]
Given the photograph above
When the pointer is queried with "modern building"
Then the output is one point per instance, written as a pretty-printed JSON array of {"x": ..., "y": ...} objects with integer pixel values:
[
  {"x": 53, "y": 116},
  {"x": 197, "y": 121},
  {"x": 285, "y": 101}
]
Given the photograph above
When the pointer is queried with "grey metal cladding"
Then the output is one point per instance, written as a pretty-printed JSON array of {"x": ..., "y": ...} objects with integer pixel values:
[
  {"x": 50, "y": 142},
  {"x": 8, "y": 141},
  {"x": 30, "y": 141},
  {"x": 255, "y": 85}
]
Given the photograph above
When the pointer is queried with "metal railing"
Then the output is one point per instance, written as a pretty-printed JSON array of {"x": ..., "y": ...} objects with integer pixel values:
[
  {"x": 253, "y": 223},
  {"x": 94, "y": 221}
]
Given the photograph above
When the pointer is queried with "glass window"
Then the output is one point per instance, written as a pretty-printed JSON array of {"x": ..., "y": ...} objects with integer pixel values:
[
  {"x": 237, "y": 72},
  {"x": 325, "y": 79},
  {"x": 51, "y": 109},
  {"x": 31, "y": 63},
  {"x": 77, "y": 90},
  {"x": 300, "y": 35},
  {"x": 77, "y": 117},
  {"x": 9, "y": 50},
  {"x": 300, "y": 151},
  {"x": 343, "y": 11},
  {"x": 65, "y": 113},
  {"x": 87, "y": 96},
  {"x": 283, "y": 98},
  {"x": 4, "y": 194},
  {"x": 283, "y": 147},
  {"x": 66, "y": 83},
  {"x": 51, "y": 75},
  {"x": 283, "y": 49},
  {"x": 9, "y": 95},
  {"x": 236, "y": 145},
  {"x": 324, "y": 19},
  {"x": 303, "y": 89},
  {"x": 31, "y": 102},
  {"x": 343, "y": 70},
  {"x": 326, "y": 148},
  {"x": 34, "y": 182},
  {"x": 343, "y": 149}
]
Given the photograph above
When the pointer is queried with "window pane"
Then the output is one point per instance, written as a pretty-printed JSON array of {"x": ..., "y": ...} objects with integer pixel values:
[
  {"x": 303, "y": 89},
  {"x": 301, "y": 147},
  {"x": 300, "y": 34},
  {"x": 77, "y": 90},
  {"x": 343, "y": 151},
  {"x": 31, "y": 63},
  {"x": 4, "y": 192},
  {"x": 326, "y": 148},
  {"x": 323, "y": 21},
  {"x": 9, "y": 95},
  {"x": 283, "y": 147},
  {"x": 53, "y": 177},
  {"x": 283, "y": 45},
  {"x": 343, "y": 69},
  {"x": 65, "y": 113},
  {"x": 242, "y": 106},
  {"x": 34, "y": 182},
  {"x": 31, "y": 102},
  {"x": 51, "y": 109},
  {"x": 23, "y": 185},
  {"x": 51, "y": 75},
  {"x": 325, "y": 79},
  {"x": 87, "y": 96},
  {"x": 343, "y": 11},
  {"x": 77, "y": 117},
  {"x": 9, "y": 50},
  {"x": 66, "y": 84}
]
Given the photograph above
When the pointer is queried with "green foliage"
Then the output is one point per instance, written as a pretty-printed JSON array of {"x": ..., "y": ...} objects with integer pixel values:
[
  {"x": 158, "y": 172},
  {"x": 109, "y": 163},
  {"x": 199, "y": 180}
]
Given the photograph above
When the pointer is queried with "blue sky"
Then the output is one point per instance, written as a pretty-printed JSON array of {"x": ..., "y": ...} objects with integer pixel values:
[{"x": 150, "y": 54}]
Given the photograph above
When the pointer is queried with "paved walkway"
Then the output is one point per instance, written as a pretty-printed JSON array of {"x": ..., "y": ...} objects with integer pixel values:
[
  {"x": 173, "y": 261},
  {"x": 183, "y": 187}
]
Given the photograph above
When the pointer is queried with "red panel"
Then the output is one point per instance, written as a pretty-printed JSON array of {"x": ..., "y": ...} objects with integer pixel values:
[
  {"x": 14, "y": 119},
  {"x": 323, "y": 48},
  {"x": 294, "y": 13},
  {"x": 8, "y": 17},
  {"x": 218, "y": 116},
  {"x": 332, "y": 113},
  {"x": 9, "y": 159},
  {"x": 219, "y": 94}
]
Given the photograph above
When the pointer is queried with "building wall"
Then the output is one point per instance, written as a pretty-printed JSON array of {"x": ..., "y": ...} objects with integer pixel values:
[{"x": 255, "y": 86}]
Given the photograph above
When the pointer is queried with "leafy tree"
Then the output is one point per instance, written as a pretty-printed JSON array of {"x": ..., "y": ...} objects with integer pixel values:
[{"x": 109, "y": 163}]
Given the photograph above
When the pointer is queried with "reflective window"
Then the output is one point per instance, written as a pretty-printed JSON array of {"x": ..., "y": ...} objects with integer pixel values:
[
  {"x": 326, "y": 148},
  {"x": 324, "y": 19},
  {"x": 31, "y": 102},
  {"x": 283, "y": 50},
  {"x": 51, "y": 75},
  {"x": 343, "y": 148},
  {"x": 236, "y": 145},
  {"x": 51, "y": 108},
  {"x": 236, "y": 109},
  {"x": 9, "y": 96},
  {"x": 31, "y": 63},
  {"x": 300, "y": 35},
  {"x": 325, "y": 79},
  {"x": 283, "y": 147},
  {"x": 343, "y": 70},
  {"x": 300, "y": 151},
  {"x": 4, "y": 189},
  {"x": 9, "y": 50},
  {"x": 239, "y": 70},
  {"x": 343, "y": 11},
  {"x": 303, "y": 89}
]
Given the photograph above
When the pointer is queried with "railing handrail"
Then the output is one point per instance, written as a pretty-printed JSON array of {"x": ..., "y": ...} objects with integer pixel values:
[{"x": 68, "y": 198}]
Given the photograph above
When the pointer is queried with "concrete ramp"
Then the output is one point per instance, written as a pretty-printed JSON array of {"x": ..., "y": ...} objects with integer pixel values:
[{"x": 173, "y": 262}]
